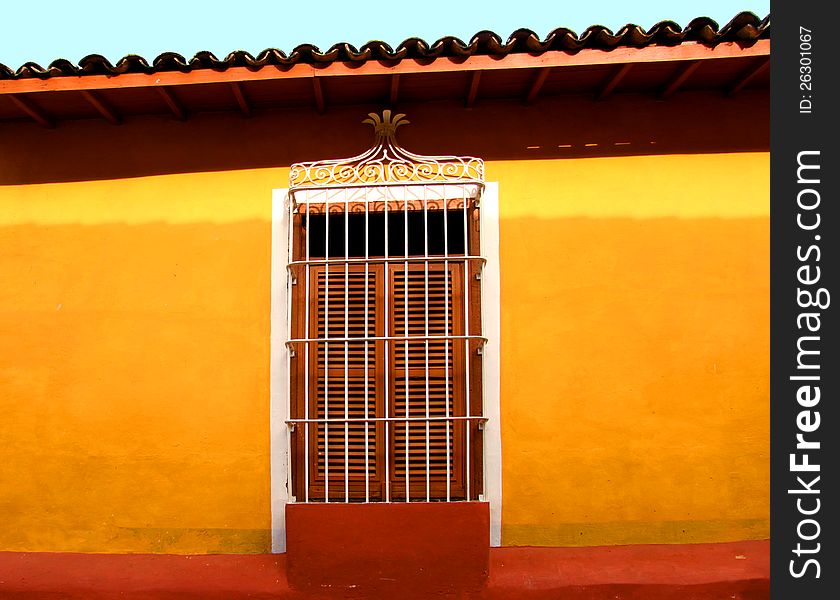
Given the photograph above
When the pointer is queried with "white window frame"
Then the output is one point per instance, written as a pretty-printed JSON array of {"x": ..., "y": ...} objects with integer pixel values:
[{"x": 279, "y": 365}]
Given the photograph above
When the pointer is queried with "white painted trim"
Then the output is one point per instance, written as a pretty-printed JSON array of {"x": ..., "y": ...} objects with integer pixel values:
[
  {"x": 379, "y": 193},
  {"x": 279, "y": 392},
  {"x": 491, "y": 305},
  {"x": 279, "y": 377}
]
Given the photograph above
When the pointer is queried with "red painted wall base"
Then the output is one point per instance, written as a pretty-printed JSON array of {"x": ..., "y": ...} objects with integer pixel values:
[
  {"x": 428, "y": 545},
  {"x": 730, "y": 571}
]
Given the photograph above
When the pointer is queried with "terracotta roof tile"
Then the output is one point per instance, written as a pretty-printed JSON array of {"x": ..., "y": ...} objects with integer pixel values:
[{"x": 745, "y": 27}]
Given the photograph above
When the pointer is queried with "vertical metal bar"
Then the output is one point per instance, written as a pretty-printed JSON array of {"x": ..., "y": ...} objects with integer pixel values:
[
  {"x": 480, "y": 332},
  {"x": 346, "y": 348},
  {"x": 326, "y": 347},
  {"x": 308, "y": 336},
  {"x": 467, "y": 422},
  {"x": 387, "y": 270},
  {"x": 426, "y": 341},
  {"x": 405, "y": 332},
  {"x": 289, "y": 306},
  {"x": 446, "y": 338},
  {"x": 367, "y": 334}
]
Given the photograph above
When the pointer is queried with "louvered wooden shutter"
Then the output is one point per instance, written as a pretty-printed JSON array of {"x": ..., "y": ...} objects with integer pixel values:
[
  {"x": 337, "y": 380},
  {"x": 434, "y": 308}
]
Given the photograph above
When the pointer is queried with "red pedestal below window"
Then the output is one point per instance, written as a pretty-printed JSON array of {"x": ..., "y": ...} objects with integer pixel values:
[{"x": 437, "y": 545}]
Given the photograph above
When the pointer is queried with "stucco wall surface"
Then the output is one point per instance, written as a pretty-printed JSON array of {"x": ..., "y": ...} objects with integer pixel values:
[
  {"x": 134, "y": 364},
  {"x": 134, "y": 356},
  {"x": 635, "y": 349}
]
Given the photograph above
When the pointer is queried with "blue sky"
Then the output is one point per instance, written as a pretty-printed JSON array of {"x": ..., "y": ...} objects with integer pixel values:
[{"x": 43, "y": 31}]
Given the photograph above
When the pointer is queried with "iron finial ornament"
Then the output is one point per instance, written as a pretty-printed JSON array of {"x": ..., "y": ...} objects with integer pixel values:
[
  {"x": 386, "y": 127},
  {"x": 386, "y": 163}
]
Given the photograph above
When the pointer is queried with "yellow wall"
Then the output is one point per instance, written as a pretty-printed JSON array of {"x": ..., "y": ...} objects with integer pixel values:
[
  {"x": 134, "y": 356},
  {"x": 635, "y": 349},
  {"x": 134, "y": 364}
]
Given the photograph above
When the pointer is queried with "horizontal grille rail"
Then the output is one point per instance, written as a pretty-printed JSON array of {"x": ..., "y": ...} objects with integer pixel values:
[
  {"x": 453, "y": 258},
  {"x": 476, "y": 418},
  {"x": 385, "y": 338}
]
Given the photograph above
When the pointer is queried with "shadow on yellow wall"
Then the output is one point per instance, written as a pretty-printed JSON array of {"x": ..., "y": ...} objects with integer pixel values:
[{"x": 562, "y": 127}]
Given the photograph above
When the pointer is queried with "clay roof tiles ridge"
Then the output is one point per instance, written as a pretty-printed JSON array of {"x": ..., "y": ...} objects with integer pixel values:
[{"x": 745, "y": 27}]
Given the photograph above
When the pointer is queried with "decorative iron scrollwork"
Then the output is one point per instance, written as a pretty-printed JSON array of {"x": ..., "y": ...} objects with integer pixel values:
[{"x": 385, "y": 163}]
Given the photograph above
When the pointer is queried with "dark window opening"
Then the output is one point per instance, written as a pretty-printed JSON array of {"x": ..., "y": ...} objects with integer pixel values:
[{"x": 437, "y": 233}]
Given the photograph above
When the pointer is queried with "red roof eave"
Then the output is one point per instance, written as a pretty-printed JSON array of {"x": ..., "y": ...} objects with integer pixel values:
[{"x": 687, "y": 51}]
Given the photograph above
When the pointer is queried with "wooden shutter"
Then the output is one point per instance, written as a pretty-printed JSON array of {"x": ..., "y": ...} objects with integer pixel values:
[
  {"x": 409, "y": 377},
  {"x": 337, "y": 386},
  {"x": 322, "y": 385}
]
